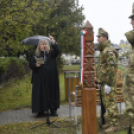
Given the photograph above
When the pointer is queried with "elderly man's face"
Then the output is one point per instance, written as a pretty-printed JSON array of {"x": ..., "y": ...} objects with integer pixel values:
[
  {"x": 101, "y": 39},
  {"x": 132, "y": 22}
]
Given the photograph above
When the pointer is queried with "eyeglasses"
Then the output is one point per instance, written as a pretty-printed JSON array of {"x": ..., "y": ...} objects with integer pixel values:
[{"x": 98, "y": 36}]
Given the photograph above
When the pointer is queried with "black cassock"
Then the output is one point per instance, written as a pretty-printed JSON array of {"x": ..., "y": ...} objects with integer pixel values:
[{"x": 45, "y": 82}]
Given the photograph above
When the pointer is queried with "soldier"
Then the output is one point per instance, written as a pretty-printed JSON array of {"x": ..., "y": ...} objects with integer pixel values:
[
  {"x": 128, "y": 84},
  {"x": 106, "y": 73}
]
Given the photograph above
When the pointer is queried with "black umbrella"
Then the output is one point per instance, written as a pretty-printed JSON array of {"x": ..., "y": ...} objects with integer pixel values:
[{"x": 34, "y": 40}]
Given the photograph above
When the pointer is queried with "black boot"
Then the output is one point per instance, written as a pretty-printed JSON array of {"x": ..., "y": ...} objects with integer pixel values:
[
  {"x": 53, "y": 111},
  {"x": 40, "y": 114},
  {"x": 130, "y": 130}
]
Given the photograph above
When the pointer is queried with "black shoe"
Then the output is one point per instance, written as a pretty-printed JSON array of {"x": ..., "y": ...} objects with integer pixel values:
[
  {"x": 46, "y": 113},
  {"x": 53, "y": 112},
  {"x": 40, "y": 114}
]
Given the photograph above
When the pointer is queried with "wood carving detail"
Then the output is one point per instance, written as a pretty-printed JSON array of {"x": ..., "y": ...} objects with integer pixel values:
[
  {"x": 89, "y": 48},
  {"x": 89, "y": 64},
  {"x": 89, "y": 80}
]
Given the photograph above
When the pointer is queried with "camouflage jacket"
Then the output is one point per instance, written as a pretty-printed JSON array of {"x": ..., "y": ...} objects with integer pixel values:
[
  {"x": 131, "y": 59},
  {"x": 106, "y": 69},
  {"x": 129, "y": 74},
  {"x": 128, "y": 85}
]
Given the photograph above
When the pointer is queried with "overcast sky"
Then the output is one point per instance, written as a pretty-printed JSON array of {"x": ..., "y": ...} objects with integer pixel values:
[{"x": 112, "y": 15}]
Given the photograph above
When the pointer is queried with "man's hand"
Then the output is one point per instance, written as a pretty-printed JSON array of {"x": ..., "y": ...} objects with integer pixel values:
[{"x": 38, "y": 64}]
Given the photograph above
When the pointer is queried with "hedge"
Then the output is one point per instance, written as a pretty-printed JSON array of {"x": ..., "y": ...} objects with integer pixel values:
[{"x": 12, "y": 67}]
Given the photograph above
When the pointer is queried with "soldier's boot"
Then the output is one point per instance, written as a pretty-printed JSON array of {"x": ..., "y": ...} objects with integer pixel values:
[
  {"x": 105, "y": 126},
  {"x": 112, "y": 129}
]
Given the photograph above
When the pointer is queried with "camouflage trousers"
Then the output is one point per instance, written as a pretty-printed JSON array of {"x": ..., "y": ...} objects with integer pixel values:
[
  {"x": 128, "y": 93},
  {"x": 110, "y": 104}
]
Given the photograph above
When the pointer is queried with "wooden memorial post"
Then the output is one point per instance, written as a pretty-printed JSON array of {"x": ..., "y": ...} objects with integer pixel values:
[{"x": 89, "y": 122}]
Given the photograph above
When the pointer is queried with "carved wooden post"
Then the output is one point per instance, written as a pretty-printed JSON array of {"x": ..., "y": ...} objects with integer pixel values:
[{"x": 89, "y": 122}]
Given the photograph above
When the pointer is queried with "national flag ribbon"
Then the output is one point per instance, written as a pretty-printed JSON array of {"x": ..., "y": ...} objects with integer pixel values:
[{"x": 83, "y": 32}]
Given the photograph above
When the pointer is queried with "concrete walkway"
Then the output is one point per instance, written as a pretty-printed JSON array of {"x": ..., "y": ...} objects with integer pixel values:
[{"x": 25, "y": 115}]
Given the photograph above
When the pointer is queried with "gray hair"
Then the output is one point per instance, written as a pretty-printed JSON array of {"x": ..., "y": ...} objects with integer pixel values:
[{"x": 42, "y": 41}]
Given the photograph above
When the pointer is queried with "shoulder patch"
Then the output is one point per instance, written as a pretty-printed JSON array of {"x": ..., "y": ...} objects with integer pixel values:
[
  {"x": 111, "y": 61},
  {"x": 110, "y": 52}
]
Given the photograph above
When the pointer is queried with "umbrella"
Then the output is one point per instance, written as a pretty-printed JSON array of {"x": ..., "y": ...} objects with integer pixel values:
[{"x": 34, "y": 40}]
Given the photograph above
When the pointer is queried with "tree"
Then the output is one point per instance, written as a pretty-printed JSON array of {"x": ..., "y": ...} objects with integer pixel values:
[
  {"x": 19, "y": 19},
  {"x": 16, "y": 20},
  {"x": 64, "y": 23}
]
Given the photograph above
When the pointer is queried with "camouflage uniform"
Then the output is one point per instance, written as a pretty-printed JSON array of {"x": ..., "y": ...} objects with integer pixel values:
[
  {"x": 128, "y": 83},
  {"x": 106, "y": 73}
]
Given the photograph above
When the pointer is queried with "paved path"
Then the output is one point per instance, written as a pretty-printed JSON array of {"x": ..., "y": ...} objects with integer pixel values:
[{"x": 25, "y": 115}]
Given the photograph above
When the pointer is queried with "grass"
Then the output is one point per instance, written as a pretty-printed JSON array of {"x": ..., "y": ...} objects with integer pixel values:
[
  {"x": 24, "y": 128},
  {"x": 71, "y": 67},
  {"x": 66, "y": 127},
  {"x": 17, "y": 93}
]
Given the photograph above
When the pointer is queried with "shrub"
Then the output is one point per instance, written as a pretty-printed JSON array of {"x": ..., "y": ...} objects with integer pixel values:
[{"x": 12, "y": 67}]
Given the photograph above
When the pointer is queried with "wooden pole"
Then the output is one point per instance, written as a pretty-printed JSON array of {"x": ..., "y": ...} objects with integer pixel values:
[{"x": 89, "y": 122}]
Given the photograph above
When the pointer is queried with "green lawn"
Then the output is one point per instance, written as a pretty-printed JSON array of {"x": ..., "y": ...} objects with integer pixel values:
[
  {"x": 71, "y": 67},
  {"x": 66, "y": 127},
  {"x": 77, "y": 68},
  {"x": 17, "y": 93}
]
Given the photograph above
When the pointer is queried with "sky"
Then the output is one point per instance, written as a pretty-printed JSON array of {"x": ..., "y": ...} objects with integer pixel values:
[{"x": 111, "y": 15}]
